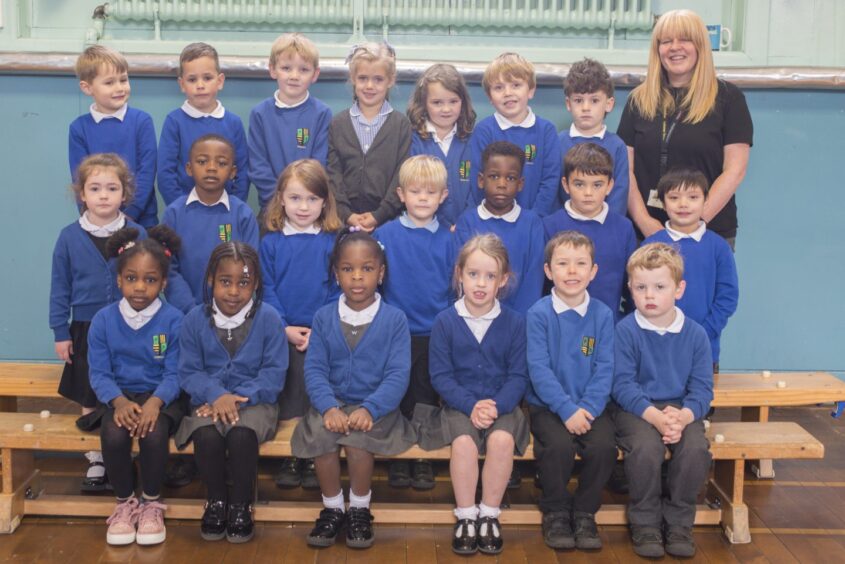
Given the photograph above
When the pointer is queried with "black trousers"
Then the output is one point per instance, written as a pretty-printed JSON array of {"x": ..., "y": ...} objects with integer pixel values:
[
  {"x": 420, "y": 389},
  {"x": 555, "y": 449},
  {"x": 211, "y": 450}
]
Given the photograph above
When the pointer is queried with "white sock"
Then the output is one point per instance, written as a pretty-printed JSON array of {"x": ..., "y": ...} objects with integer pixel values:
[
  {"x": 98, "y": 470},
  {"x": 470, "y": 512},
  {"x": 360, "y": 501},
  {"x": 335, "y": 502},
  {"x": 487, "y": 511}
]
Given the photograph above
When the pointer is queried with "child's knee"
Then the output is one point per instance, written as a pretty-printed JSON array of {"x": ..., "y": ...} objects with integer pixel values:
[
  {"x": 500, "y": 442},
  {"x": 464, "y": 446}
]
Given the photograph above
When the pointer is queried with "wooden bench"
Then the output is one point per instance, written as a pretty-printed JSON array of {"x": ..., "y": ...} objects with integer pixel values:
[
  {"x": 27, "y": 379},
  {"x": 23, "y": 493}
]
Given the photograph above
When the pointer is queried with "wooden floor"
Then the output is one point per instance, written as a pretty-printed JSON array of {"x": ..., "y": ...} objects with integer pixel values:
[{"x": 798, "y": 517}]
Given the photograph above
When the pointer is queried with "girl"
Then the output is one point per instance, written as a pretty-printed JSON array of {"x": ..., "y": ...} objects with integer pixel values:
[
  {"x": 300, "y": 222},
  {"x": 440, "y": 111},
  {"x": 368, "y": 142},
  {"x": 133, "y": 351},
  {"x": 478, "y": 367},
  {"x": 356, "y": 373},
  {"x": 84, "y": 281},
  {"x": 233, "y": 363}
]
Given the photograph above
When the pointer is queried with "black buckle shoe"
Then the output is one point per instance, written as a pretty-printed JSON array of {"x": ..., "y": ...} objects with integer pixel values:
[
  {"x": 359, "y": 528},
  {"x": 490, "y": 535},
  {"x": 288, "y": 474},
  {"x": 399, "y": 474},
  {"x": 679, "y": 541},
  {"x": 240, "y": 526},
  {"x": 309, "y": 475},
  {"x": 213, "y": 524},
  {"x": 586, "y": 532},
  {"x": 422, "y": 475},
  {"x": 557, "y": 530},
  {"x": 465, "y": 537},
  {"x": 647, "y": 541},
  {"x": 326, "y": 528}
]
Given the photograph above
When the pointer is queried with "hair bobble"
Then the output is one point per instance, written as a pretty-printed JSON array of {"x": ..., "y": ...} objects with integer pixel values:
[
  {"x": 380, "y": 244},
  {"x": 126, "y": 247},
  {"x": 351, "y": 54},
  {"x": 389, "y": 48},
  {"x": 167, "y": 252}
]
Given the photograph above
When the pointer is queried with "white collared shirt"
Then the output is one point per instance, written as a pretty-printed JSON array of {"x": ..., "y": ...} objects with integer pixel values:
[
  {"x": 216, "y": 113},
  {"x": 102, "y": 231},
  {"x": 291, "y": 229},
  {"x": 280, "y": 104},
  {"x": 696, "y": 235},
  {"x": 194, "y": 197},
  {"x": 510, "y": 217},
  {"x": 356, "y": 318},
  {"x": 601, "y": 217},
  {"x": 478, "y": 325},
  {"x": 674, "y": 327},
  {"x": 100, "y": 116},
  {"x": 574, "y": 132},
  {"x": 505, "y": 123},
  {"x": 137, "y": 319},
  {"x": 444, "y": 143},
  {"x": 222, "y": 321},
  {"x": 561, "y": 306},
  {"x": 406, "y": 221}
]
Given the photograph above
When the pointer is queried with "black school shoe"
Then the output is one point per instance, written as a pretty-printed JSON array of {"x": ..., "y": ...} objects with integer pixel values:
[
  {"x": 586, "y": 532},
  {"x": 359, "y": 528},
  {"x": 422, "y": 475},
  {"x": 213, "y": 524},
  {"x": 99, "y": 482},
  {"x": 288, "y": 475},
  {"x": 490, "y": 535},
  {"x": 308, "y": 473},
  {"x": 240, "y": 527},
  {"x": 399, "y": 474},
  {"x": 180, "y": 472},
  {"x": 464, "y": 540},
  {"x": 679, "y": 541},
  {"x": 326, "y": 528},
  {"x": 557, "y": 530},
  {"x": 515, "y": 479},
  {"x": 647, "y": 541}
]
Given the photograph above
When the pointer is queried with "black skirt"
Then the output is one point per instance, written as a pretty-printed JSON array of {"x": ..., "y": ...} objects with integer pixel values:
[{"x": 75, "y": 384}]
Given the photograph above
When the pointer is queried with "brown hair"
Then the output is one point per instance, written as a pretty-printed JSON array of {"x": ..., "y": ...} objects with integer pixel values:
[
  {"x": 94, "y": 58},
  {"x": 655, "y": 255},
  {"x": 508, "y": 66},
  {"x": 194, "y": 51},
  {"x": 588, "y": 76},
  {"x": 449, "y": 78},
  {"x": 311, "y": 174},
  {"x": 92, "y": 163},
  {"x": 490, "y": 245},
  {"x": 574, "y": 239},
  {"x": 588, "y": 158},
  {"x": 294, "y": 43}
]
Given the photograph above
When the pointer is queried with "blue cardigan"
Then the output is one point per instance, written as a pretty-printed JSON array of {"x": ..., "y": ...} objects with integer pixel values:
[
  {"x": 257, "y": 371},
  {"x": 121, "y": 359},
  {"x": 375, "y": 374},
  {"x": 464, "y": 371},
  {"x": 461, "y": 179}
]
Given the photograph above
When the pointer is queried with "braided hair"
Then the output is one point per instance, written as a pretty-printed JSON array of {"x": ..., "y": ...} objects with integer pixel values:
[
  {"x": 237, "y": 251},
  {"x": 347, "y": 236},
  {"x": 161, "y": 244}
]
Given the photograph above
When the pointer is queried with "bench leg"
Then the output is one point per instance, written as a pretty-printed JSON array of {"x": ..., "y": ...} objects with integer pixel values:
[
  {"x": 20, "y": 480},
  {"x": 763, "y": 469},
  {"x": 8, "y": 404},
  {"x": 726, "y": 487}
]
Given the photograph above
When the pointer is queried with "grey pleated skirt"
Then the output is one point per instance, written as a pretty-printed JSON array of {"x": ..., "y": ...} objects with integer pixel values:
[
  {"x": 263, "y": 418},
  {"x": 437, "y": 427}
]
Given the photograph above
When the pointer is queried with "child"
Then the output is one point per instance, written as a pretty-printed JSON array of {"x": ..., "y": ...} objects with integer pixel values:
[
  {"x": 205, "y": 217},
  {"x": 233, "y": 363},
  {"x": 111, "y": 126},
  {"x": 420, "y": 252},
  {"x": 712, "y": 286},
  {"x": 478, "y": 368},
  {"x": 509, "y": 83},
  {"x": 291, "y": 124},
  {"x": 500, "y": 180},
  {"x": 356, "y": 373},
  {"x": 133, "y": 352},
  {"x": 301, "y": 221},
  {"x": 84, "y": 281},
  {"x": 570, "y": 362},
  {"x": 589, "y": 98},
  {"x": 368, "y": 142},
  {"x": 441, "y": 114},
  {"x": 201, "y": 114},
  {"x": 587, "y": 180},
  {"x": 663, "y": 384}
]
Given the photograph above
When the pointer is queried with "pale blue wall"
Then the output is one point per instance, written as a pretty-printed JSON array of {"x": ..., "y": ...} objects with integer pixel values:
[{"x": 790, "y": 249}]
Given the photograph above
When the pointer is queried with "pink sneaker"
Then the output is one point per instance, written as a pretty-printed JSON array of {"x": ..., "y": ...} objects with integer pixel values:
[
  {"x": 122, "y": 523},
  {"x": 151, "y": 523}
]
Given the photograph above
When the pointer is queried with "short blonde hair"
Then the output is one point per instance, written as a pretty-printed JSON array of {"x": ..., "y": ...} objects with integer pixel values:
[
  {"x": 490, "y": 245},
  {"x": 311, "y": 174},
  {"x": 95, "y": 59},
  {"x": 372, "y": 53},
  {"x": 571, "y": 238},
  {"x": 655, "y": 255},
  {"x": 425, "y": 170},
  {"x": 291, "y": 44},
  {"x": 508, "y": 66}
]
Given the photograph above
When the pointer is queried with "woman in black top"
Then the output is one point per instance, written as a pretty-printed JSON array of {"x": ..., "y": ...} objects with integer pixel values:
[{"x": 683, "y": 115}]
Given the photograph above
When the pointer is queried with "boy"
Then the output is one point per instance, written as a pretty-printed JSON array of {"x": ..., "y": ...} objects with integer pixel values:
[
  {"x": 205, "y": 218},
  {"x": 570, "y": 363},
  {"x": 521, "y": 230},
  {"x": 587, "y": 179},
  {"x": 510, "y": 84},
  {"x": 712, "y": 286},
  {"x": 663, "y": 386},
  {"x": 420, "y": 253},
  {"x": 589, "y": 98},
  {"x": 111, "y": 126},
  {"x": 201, "y": 114},
  {"x": 291, "y": 124}
]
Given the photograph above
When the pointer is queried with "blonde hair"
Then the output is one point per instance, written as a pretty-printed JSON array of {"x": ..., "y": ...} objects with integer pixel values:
[
  {"x": 291, "y": 44},
  {"x": 491, "y": 246},
  {"x": 311, "y": 174},
  {"x": 508, "y": 66},
  {"x": 93, "y": 60},
  {"x": 423, "y": 169},
  {"x": 653, "y": 95},
  {"x": 371, "y": 53},
  {"x": 655, "y": 255},
  {"x": 571, "y": 238},
  {"x": 449, "y": 78},
  {"x": 98, "y": 161}
]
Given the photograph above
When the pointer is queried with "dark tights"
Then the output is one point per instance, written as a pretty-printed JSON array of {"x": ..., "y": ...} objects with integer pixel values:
[
  {"x": 117, "y": 456},
  {"x": 210, "y": 449}
]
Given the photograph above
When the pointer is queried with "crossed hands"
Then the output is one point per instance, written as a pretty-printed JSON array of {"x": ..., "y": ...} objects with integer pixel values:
[
  {"x": 298, "y": 336},
  {"x": 225, "y": 408},
  {"x": 484, "y": 413},
  {"x": 580, "y": 422},
  {"x": 670, "y": 422},
  {"x": 336, "y": 421},
  {"x": 139, "y": 420},
  {"x": 366, "y": 221}
]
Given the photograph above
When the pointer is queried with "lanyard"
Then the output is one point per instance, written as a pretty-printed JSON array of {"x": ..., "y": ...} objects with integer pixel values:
[{"x": 665, "y": 136}]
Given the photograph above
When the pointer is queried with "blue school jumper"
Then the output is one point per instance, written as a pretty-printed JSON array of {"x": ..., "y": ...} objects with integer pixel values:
[
  {"x": 618, "y": 197},
  {"x": 461, "y": 178}
]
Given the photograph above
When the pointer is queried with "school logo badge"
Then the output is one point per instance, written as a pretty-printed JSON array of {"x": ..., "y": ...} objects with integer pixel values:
[
  {"x": 302, "y": 137},
  {"x": 224, "y": 232},
  {"x": 530, "y": 153},
  {"x": 587, "y": 345},
  {"x": 159, "y": 345},
  {"x": 464, "y": 170}
]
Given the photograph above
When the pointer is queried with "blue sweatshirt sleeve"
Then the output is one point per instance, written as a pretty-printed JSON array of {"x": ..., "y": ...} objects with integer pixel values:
[
  {"x": 318, "y": 365},
  {"x": 100, "y": 371},
  {"x": 249, "y": 227},
  {"x": 240, "y": 184},
  {"x": 145, "y": 171},
  {"x": 481, "y": 137},
  {"x": 726, "y": 296},
  {"x": 543, "y": 379},
  {"x": 168, "y": 388},
  {"x": 270, "y": 379},
  {"x": 618, "y": 197},
  {"x": 77, "y": 147},
  {"x": 700, "y": 383},
  {"x": 595, "y": 396},
  {"x": 511, "y": 393},
  {"x": 534, "y": 277},
  {"x": 260, "y": 169},
  {"x": 269, "y": 276},
  {"x": 61, "y": 284},
  {"x": 442, "y": 370},
  {"x": 320, "y": 137},
  {"x": 397, "y": 370},
  {"x": 202, "y": 385},
  {"x": 177, "y": 292},
  {"x": 626, "y": 390},
  {"x": 546, "y": 201},
  {"x": 169, "y": 149}
]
